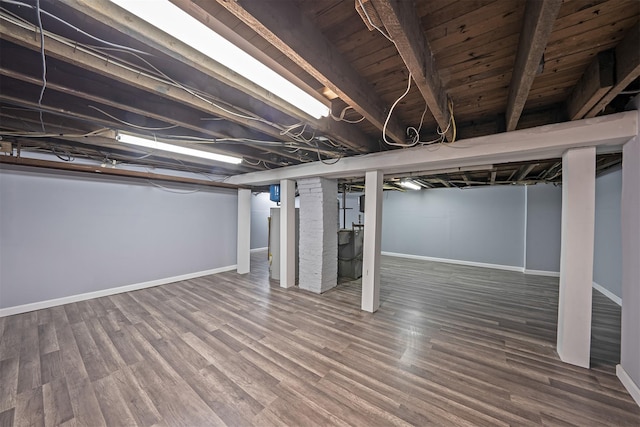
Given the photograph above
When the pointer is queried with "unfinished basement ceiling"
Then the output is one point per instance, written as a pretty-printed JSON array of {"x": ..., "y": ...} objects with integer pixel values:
[{"x": 479, "y": 67}]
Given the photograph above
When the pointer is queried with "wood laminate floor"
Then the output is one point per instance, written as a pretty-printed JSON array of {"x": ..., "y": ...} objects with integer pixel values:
[{"x": 449, "y": 346}]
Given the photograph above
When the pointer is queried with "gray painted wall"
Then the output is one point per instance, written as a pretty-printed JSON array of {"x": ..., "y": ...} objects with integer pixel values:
[
  {"x": 260, "y": 211},
  {"x": 607, "y": 262},
  {"x": 484, "y": 224},
  {"x": 544, "y": 214},
  {"x": 63, "y": 234}
]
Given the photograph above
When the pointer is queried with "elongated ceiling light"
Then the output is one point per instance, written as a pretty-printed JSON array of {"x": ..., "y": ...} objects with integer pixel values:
[
  {"x": 156, "y": 145},
  {"x": 410, "y": 185},
  {"x": 169, "y": 18}
]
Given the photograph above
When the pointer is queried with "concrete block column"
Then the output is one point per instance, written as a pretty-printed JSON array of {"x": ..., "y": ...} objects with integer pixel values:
[
  {"x": 576, "y": 255},
  {"x": 287, "y": 233},
  {"x": 629, "y": 368},
  {"x": 244, "y": 231},
  {"x": 372, "y": 240},
  {"x": 318, "y": 252}
]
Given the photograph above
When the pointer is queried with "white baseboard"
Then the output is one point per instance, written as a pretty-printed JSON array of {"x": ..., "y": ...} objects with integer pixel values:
[
  {"x": 106, "y": 292},
  {"x": 456, "y": 261},
  {"x": 542, "y": 273},
  {"x": 607, "y": 293},
  {"x": 628, "y": 383},
  {"x": 259, "y": 249}
]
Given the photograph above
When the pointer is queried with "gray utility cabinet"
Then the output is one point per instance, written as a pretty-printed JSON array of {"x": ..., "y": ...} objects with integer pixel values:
[{"x": 350, "y": 253}]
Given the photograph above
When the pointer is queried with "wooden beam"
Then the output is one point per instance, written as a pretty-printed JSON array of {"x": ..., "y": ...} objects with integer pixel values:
[
  {"x": 539, "y": 17},
  {"x": 284, "y": 25},
  {"x": 526, "y": 171},
  {"x": 175, "y": 118},
  {"x": 596, "y": 81},
  {"x": 445, "y": 183},
  {"x": 493, "y": 177},
  {"x": 132, "y": 26},
  {"x": 344, "y": 133},
  {"x": 107, "y": 67},
  {"x": 627, "y": 58},
  {"x": 403, "y": 25},
  {"x": 12, "y": 160}
]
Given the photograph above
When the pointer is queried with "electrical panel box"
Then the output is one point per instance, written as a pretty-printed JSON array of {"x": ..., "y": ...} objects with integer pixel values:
[{"x": 274, "y": 193}]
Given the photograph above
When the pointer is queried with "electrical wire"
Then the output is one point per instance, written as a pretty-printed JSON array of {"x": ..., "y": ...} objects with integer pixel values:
[
  {"x": 341, "y": 118},
  {"x": 386, "y": 122},
  {"x": 169, "y": 190},
  {"x": 131, "y": 124},
  {"x": 136, "y": 53},
  {"x": 68, "y": 156},
  {"x": 416, "y": 132},
  {"x": 286, "y": 130},
  {"x": 193, "y": 92},
  {"x": 51, "y": 15},
  {"x": 244, "y": 159},
  {"x": 51, "y": 135},
  {"x": 324, "y": 161},
  {"x": 44, "y": 64}
]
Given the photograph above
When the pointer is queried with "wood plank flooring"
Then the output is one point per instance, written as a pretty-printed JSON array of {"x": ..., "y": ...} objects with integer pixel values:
[{"x": 450, "y": 345}]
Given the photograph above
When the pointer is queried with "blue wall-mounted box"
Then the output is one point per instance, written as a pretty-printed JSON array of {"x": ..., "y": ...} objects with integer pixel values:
[{"x": 274, "y": 193}]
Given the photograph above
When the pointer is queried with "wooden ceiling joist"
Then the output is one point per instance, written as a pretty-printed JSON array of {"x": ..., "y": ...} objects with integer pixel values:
[
  {"x": 539, "y": 17},
  {"x": 284, "y": 25},
  {"x": 627, "y": 68},
  {"x": 126, "y": 23},
  {"x": 404, "y": 28},
  {"x": 108, "y": 68},
  {"x": 132, "y": 26},
  {"x": 113, "y": 144},
  {"x": 525, "y": 171},
  {"x": 596, "y": 81},
  {"x": 175, "y": 118}
]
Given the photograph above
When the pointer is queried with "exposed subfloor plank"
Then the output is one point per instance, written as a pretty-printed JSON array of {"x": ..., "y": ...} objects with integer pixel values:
[{"x": 450, "y": 345}]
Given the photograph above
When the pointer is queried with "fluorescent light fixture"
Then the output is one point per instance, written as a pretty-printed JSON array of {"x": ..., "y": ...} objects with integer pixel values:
[
  {"x": 410, "y": 185},
  {"x": 156, "y": 145},
  {"x": 169, "y": 18}
]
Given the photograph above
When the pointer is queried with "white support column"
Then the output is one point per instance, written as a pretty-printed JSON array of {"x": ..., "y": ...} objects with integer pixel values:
[
  {"x": 318, "y": 234},
  {"x": 244, "y": 231},
  {"x": 372, "y": 238},
  {"x": 629, "y": 368},
  {"x": 287, "y": 233},
  {"x": 576, "y": 255}
]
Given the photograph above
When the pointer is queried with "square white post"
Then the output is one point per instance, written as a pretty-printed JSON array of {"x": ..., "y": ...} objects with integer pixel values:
[
  {"x": 576, "y": 255},
  {"x": 372, "y": 238},
  {"x": 287, "y": 233},
  {"x": 243, "y": 260},
  {"x": 629, "y": 368}
]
